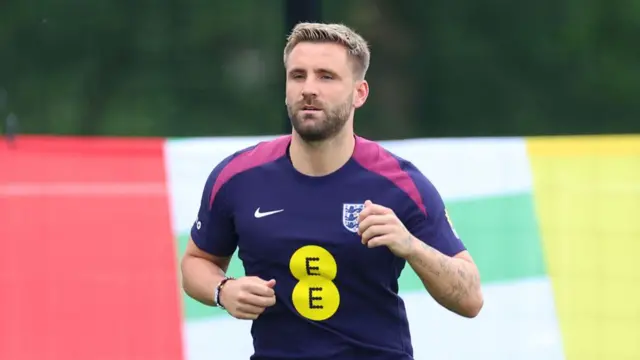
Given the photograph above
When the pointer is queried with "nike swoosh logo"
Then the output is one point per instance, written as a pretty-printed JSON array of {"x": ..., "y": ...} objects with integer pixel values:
[{"x": 259, "y": 214}]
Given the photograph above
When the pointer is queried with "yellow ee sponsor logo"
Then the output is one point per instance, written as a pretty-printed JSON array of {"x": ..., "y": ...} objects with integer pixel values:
[{"x": 315, "y": 296}]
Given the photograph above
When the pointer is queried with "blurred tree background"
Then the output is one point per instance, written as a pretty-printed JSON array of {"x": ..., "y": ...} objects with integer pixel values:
[{"x": 439, "y": 68}]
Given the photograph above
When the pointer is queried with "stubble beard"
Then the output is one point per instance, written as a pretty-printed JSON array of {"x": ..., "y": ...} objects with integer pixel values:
[{"x": 324, "y": 125}]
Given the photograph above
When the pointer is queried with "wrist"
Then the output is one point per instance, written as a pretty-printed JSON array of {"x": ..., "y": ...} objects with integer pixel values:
[
  {"x": 218, "y": 291},
  {"x": 414, "y": 248}
]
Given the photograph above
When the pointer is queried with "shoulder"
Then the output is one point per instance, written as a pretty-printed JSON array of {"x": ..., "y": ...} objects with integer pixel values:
[
  {"x": 245, "y": 159},
  {"x": 401, "y": 172}
]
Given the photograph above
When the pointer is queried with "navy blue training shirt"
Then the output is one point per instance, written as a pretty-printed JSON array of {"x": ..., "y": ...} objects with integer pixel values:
[{"x": 335, "y": 298}]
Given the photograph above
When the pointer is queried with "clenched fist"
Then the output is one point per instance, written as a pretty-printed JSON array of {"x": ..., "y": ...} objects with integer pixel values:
[{"x": 247, "y": 297}]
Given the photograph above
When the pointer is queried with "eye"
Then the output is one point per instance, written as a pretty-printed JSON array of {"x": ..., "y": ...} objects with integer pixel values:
[{"x": 326, "y": 77}]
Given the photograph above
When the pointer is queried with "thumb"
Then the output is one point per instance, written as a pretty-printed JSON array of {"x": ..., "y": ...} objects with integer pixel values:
[
  {"x": 271, "y": 283},
  {"x": 368, "y": 203}
]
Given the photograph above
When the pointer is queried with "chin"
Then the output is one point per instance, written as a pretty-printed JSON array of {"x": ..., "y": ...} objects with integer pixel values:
[
  {"x": 309, "y": 125},
  {"x": 311, "y": 134},
  {"x": 312, "y": 138}
]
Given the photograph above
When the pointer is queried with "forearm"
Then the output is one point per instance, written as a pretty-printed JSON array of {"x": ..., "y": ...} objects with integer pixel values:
[
  {"x": 454, "y": 283},
  {"x": 200, "y": 278}
]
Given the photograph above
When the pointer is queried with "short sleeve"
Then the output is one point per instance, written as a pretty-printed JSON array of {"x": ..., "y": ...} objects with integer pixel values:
[
  {"x": 434, "y": 227},
  {"x": 214, "y": 230}
]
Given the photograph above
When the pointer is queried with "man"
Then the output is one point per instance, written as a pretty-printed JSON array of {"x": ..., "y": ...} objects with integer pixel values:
[{"x": 324, "y": 222}]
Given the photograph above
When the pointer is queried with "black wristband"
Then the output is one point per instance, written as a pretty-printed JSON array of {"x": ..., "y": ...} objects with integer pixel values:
[{"x": 219, "y": 288}]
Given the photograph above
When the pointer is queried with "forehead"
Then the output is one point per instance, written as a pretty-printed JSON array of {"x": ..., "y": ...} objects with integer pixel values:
[{"x": 318, "y": 55}]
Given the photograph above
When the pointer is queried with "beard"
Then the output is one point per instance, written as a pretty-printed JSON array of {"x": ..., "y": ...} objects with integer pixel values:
[{"x": 319, "y": 125}]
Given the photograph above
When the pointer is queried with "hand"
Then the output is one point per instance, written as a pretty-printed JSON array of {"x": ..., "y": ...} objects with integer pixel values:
[
  {"x": 247, "y": 297},
  {"x": 379, "y": 225}
]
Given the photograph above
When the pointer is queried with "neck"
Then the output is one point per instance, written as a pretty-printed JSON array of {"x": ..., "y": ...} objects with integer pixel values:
[{"x": 321, "y": 158}]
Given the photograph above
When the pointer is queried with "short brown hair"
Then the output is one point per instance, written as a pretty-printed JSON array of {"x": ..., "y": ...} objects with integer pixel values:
[{"x": 357, "y": 47}]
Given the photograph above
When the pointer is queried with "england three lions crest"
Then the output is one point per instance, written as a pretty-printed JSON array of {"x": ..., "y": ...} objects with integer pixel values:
[{"x": 350, "y": 213}]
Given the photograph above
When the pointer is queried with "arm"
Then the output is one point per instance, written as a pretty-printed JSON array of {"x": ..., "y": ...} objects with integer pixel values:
[
  {"x": 211, "y": 244},
  {"x": 201, "y": 272},
  {"x": 439, "y": 257},
  {"x": 454, "y": 282},
  {"x": 433, "y": 251}
]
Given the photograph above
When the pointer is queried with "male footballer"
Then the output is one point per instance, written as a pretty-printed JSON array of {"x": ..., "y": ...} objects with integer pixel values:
[{"x": 324, "y": 221}]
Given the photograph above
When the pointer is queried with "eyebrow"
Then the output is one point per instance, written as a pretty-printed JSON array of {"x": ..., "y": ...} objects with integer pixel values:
[{"x": 319, "y": 70}]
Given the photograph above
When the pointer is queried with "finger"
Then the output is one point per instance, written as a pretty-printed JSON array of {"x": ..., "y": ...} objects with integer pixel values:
[
  {"x": 371, "y": 221},
  {"x": 375, "y": 231},
  {"x": 259, "y": 289},
  {"x": 245, "y": 316},
  {"x": 260, "y": 301},
  {"x": 271, "y": 283},
  {"x": 379, "y": 241},
  {"x": 250, "y": 309},
  {"x": 380, "y": 210},
  {"x": 374, "y": 209}
]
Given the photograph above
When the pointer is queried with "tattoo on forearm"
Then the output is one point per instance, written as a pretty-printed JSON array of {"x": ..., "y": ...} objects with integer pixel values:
[{"x": 461, "y": 283}]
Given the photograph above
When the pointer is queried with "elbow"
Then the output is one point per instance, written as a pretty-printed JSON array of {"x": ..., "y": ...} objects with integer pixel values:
[
  {"x": 472, "y": 307},
  {"x": 183, "y": 280},
  {"x": 187, "y": 284}
]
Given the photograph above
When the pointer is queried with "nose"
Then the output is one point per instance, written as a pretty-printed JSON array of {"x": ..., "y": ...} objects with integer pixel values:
[{"x": 309, "y": 90}]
